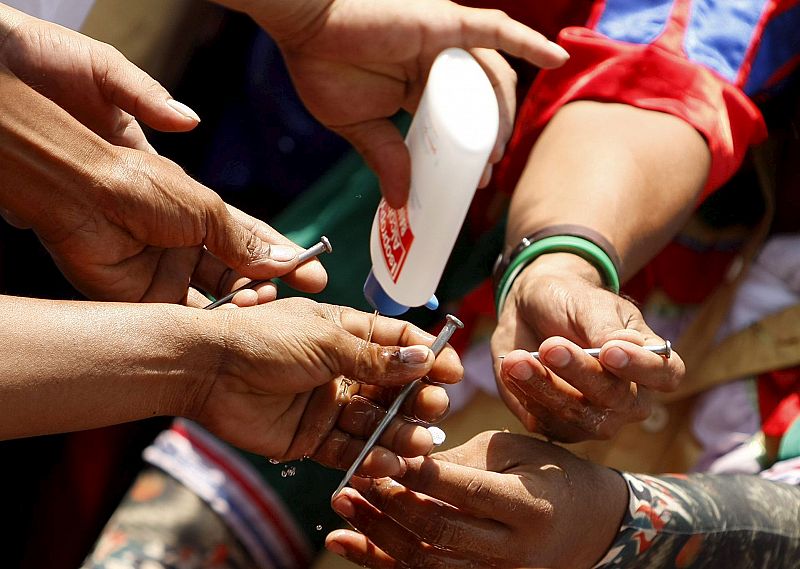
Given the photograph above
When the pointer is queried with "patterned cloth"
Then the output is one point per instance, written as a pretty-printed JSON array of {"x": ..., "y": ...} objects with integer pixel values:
[
  {"x": 161, "y": 524},
  {"x": 709, "y": 521}
]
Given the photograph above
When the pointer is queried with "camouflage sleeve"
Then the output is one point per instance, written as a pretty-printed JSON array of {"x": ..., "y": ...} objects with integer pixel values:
[{"x": 702, "y": 520}]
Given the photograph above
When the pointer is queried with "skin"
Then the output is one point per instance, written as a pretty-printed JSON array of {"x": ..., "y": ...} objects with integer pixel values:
[
  {"x": 500, "y": 500},
  {"x": 191, "y": 236},
  {"x": 634, "y": 176},
  {"x": 125, "y": 224},
  {"x": 356, "y": 63},
  {"x": 87, "y": 364},
  {"x": 121, "y": 222}
]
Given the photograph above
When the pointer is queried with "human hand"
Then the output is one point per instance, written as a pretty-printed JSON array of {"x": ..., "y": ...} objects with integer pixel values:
[
  {"x": 558, "y": 306},
  {"x": 499, "y": 500},
  {"x": 123, "y": 224},
  {"x": 91, "y": 80},
  {"x": 279, "y": 389},
  {"x": 356, "y": 64}
]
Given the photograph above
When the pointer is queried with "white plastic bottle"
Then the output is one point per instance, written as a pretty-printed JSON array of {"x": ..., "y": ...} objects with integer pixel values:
[{"x": 450, "y": 139}]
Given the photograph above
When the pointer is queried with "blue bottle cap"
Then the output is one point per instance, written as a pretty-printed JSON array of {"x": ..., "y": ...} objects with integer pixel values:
[{"x": 380, "y": 300}]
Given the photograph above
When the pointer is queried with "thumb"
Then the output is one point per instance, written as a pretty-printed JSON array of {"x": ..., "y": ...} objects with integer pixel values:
[
  {"x": 381, "y": 365},
  {"x": 134, "y": 91},
  {"x": 242, "y": 249},
  {"x": 383, "y": 149}
]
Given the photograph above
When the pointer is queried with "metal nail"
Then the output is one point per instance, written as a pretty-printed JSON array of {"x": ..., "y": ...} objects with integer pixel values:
[
  {"x": 324, "y": 246},
  {"x": 438, "y": 345}
]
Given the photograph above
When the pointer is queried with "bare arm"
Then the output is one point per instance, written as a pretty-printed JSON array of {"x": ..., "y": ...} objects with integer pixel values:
[
  {"x": 503, "y": 500},
  {"x": 633, "y": 176},
  {"x": 266, "y": 378}
]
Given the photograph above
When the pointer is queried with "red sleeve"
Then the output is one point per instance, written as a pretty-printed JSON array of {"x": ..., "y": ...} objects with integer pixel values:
[{"x": 647, "y": 76}]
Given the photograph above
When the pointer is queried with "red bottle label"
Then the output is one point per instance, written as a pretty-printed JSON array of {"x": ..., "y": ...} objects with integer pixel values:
[{"x": 396, "y": 237}]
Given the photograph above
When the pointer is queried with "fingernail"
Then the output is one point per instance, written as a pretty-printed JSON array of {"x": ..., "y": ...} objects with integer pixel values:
[
  {"x": 556, "y": 49},
  {"x": 336, "y": 547},
  {"x": 558, "y": 357},
  {"x": 414, "y": 355},
  {"x": 281, "y": 253},
  {"x": 522, "y": 371},
  {"x": 183, "y": 110},
  {"x": 344, "y": 506},
  {"x": 616, "y": 358}
]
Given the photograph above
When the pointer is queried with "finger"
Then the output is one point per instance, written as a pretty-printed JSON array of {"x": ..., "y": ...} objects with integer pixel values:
[
  {"x": 389, "y": 536},
  {"x": 433, "y": 521},
  {"x": 243, "y": 248},
  {"x": 124, "y": 130},
  {"x": 495, "y": 30},
  {"x": 169, "y": 282},
  {"x": 196, "y": 299},
  {"x": 427, "y": 403},
  {"x": 486, "y": 177},
  {"x": 340, "y": 450},
  {"x": 383, "y": 149},
  {"x": 135, "y": 92},
  {"x": 630, "y": 362},
  {"x": 469, "y": 489},
  {"x": 560, "y": 411},
  {"x": 504, "y": 82},
  {"x": 361, "y": 417},
  {"x": 390, "y": 331},
  {"x": 377, "y": 364},
  {"x": 309, "y": 276},
  {"x": 216, "y": 278},
  {"x": 586, "y": 374},
  {"x": 359, "y": 549}
]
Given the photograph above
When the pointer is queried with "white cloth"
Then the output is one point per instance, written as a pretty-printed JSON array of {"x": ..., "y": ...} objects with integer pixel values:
[{"x": 69, "y": 13}]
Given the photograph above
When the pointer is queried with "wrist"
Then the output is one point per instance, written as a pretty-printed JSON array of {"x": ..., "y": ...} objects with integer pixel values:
[
  {"x": 562, "y": 265},
  {"x": 202, "y": 344},
  {"x": 580, "y": 241},
  {"x": 604, "y": 511}
]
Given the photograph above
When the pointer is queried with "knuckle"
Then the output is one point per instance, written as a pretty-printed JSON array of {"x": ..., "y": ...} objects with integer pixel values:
[
  {"x": 437, "y": 531},
  {"x": 476, "y": 490},
  {"x": 670, "y": 382},
  {"x": 420, "y": 557},
  {"x": 613, "y": 393},
  {"x": 254, "y": 247}
]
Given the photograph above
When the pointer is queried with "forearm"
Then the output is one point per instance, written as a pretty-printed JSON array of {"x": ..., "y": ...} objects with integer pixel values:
[
  {"x": 78, "y": 365},
  {"x": 707, "y": 521},
  {"x": 630, "y": 174}
]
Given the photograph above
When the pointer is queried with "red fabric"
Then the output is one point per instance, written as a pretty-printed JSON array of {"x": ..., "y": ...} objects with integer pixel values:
[
  {"x": 685, "y": 275},
  {"x": 645, "y": 76},
  {"x": 779, "y": 400}
]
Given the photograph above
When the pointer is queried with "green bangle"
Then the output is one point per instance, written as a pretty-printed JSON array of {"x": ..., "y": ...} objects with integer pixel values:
[{"x": 558, "y": 244}]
